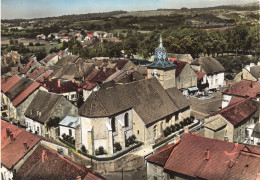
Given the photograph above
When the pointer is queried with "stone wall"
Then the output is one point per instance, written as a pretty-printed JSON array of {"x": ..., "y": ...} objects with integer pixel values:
[{"x": 187, "y": 78}]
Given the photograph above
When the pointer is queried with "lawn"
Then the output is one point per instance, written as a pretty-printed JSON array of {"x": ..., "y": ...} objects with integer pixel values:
[{"x": 47, "y": 47}]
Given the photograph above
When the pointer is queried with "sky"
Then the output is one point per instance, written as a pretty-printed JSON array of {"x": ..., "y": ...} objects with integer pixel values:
[{"x": 11, "y": 9}]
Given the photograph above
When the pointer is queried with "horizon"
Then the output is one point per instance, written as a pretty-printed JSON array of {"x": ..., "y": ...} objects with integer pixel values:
[{"x": 41, "y": 9}]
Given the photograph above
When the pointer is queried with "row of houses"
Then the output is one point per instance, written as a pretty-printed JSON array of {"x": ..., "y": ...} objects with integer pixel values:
[{"x": 28, "y": 156}]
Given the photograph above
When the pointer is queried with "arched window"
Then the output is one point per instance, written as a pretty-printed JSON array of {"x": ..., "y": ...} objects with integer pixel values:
[
  {"x": 154, "y": 131},
  {"x": 126, "y": 120},
  {"x": 113, "y": 124}
]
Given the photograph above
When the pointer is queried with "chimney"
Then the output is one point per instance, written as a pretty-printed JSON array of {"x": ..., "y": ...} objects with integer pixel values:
[
  {"x": 40, "y": 113},
  {"x": 207, "y": 154},
  {"x": 78, "y": 177},
  {"x": 177, "y": 139},
  {"x": 7, "y": 132},
  {"x": 44, "y": 156},
  {"x": 11, "y": 137},
  {"x": 44, "y": 85},
  {"x": 58, "y": 83},
  {"x": 186, "y": 129},
  {"x": 25, "y": 146},
  {"x": 117, "y": 69},
  {"x": 104, "y": 69}
]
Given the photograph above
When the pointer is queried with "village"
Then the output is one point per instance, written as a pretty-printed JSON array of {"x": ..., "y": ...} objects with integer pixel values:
[{"x": 113, "y": 115}]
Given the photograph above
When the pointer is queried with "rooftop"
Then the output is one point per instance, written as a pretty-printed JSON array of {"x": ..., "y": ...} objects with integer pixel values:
[
  {"x": 209, "y": 65},
  {"x": 69, "y": 121},
  {"x": 8, "y": 83},
  {"x": 12, "y": 151},
  {"x": 60, "y": 86},
  {"x": 209, "y": 159}
]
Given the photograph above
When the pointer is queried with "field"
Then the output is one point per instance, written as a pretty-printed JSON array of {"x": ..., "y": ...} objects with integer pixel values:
[{"x": 25, "y": 41}]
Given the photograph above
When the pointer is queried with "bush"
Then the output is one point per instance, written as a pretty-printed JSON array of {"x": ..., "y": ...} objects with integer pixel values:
[
  {"x": 83, "y": 149},
  {"x": 178, "y": 127},
  {"x": 37, "y": 44},
  {"x": 100, "y": 151},
  {"x": 130, "y": 140},
  {"x": 63, "y": 136},
  {"x": 167, "y": 131},
  {"x": 173, "y": 128},
  {"x": 192, "y": 118},
  {"x": 117, "y": 147},
  {"x": 30, "y": 44},
  {"x": 182, "y": 124}
]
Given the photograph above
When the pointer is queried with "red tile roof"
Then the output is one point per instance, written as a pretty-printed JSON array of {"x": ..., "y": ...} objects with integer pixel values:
[
  {"x": 24, "y": 94},
  {"x": 236, "y": 99},
  {"x": 50, "y": 166},
  {"x": 238, "y": 112},
  {"x": 48, "y": 58},
  {"x": 65, "y": 86},
  {"x": 204, "y": 158},
  {"x": 30, "y": 64},
  {"x": 65, "y": 37},
  {"x": 90, "y": 35},
  {"x": 13, "y": 151},
  {"x": 179, "y": 68},
  {"x": 44, "y": 76},
  {"x": 7, "y": 84},
  {"x": 173, "y": 59},
  {"x": 37, "y": 72},
  {"x": 244, "y": 88},
  {"x": 60, "y": 53},
  {"x": 200, "y": 75}
]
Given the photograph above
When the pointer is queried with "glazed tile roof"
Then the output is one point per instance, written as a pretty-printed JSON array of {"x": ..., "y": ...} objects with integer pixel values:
[
  {"x": 8, "y": 83},
  {"x": 239, "y": 111},
  {"x": 244, "y": 88},
  {"x": 45, "y": 163},
  {"x": 204, "y": 158},
  {"x": 13, "y": 151}
]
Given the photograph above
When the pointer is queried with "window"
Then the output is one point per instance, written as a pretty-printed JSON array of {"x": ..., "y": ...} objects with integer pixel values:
[
  {"x": 137, "y": 131},
  {"x": 177, "y": 116},
  {"x": 154, "y": 131},
  {"x": 168, "y": 118},
  {"x": 113, "y": 124},
  {"x": 38, "y": 129},
  {"x": 161, "y": 126},
  {"x": 126, "y": 120},
  {"x": 70, "y": 132},
  {"x": 26, "y": 124},
  {"x": 216, "y": 81},
  {"x": 73, "y": 96}
]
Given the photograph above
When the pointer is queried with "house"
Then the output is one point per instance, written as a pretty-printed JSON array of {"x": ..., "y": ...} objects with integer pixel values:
[
  {"x": 50, "y": 60},
  {"x": 66, "y": 88},
  {"x": 162, "y": 68},
  {"x": 38, "y": 72},
  {"x": 231, "y": 123},
  {"x": 141, "y": 108},
  {"x": 67, "y": 126},
  {"x": 40, "y": 37},
  {"x": 30, "y": 66},
  {"x": 89, "y": 37},
  {"x": 186, "y": 78},
  {"x": 197, "y": 157},
  {"x": 255, "y": 137},
  {"x": 11, "y": 64},
  {"x": 64, "y": 38},
  {"x": 44, "y": 113},
  {"x": 250, "y": 72},
  {"x": 99, "y": 34},
  {"x": 180, "y": 57},
  {"x": 214, "y": 72},
  {"x": 16, "y": 97},
  {"x": 16, "y": 147},
  {"x": 241, "y": 90},
  {"x": 53, "y": 35},
  {"x": 45, "y": 163}
]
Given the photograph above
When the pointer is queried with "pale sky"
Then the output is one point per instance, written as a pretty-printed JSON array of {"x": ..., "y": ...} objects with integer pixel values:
[{"x": 11, "y": 9}]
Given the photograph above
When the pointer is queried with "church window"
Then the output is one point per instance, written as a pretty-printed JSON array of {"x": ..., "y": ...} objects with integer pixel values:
[
  {"x": 154, "y": 131},
  {"x": 113, "y": 124},
  {"x": 126, "y": 120}
]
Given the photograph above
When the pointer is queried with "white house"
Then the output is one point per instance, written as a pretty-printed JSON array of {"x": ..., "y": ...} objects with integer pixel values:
[
  {"x": 67, "y": 126},
  {"x": 214, "y": 72}
]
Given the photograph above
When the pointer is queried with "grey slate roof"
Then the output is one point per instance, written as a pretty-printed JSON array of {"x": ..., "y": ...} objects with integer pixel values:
[
  {"x": 255, "y": 71},
  {"x": 209, "y": 65},
  {"x": 178, "y": 98},
  {"x": 147, "y": 97},
  {"x": 67, "y": 60}
]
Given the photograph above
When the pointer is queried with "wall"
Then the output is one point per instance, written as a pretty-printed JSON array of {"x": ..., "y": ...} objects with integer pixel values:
[
  {"x": 6, "y": 173},
  {"x": 33, "y": 126},
  {"x": 156, "y": 172},
  {"x": 65, "y": 130},
  {"x": 226, "y": 100},
  {"x": 165, "y": 77},
  {"x": 69, "y": 96},
  {"x": 86, "y": 94},
  {"x": 187, "y": 78},
  {"x": 53, "y": 61},
  {"x": 216, "y": 80}
]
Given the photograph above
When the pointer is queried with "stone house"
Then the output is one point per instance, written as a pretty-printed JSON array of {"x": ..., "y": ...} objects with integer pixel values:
[
  {"x": 44, "y": 113},
  {"x": 214, "y": 72},
  {"x": 186, "y": 77},
  {"x": 241, "y": 90},
  {"x": 30, "y": 66},
  {"x": 16, "y": 96},
  {"x": 162, "y": 68},
  {"x": 255, "y": 138},
  {"x": 250, "y": 72},
  {"x": 231, "y": 123},
  {"x": 198, "y": 157},
  {"x": 141, "y": 108},
  {"x": 50, "y": 60}
]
